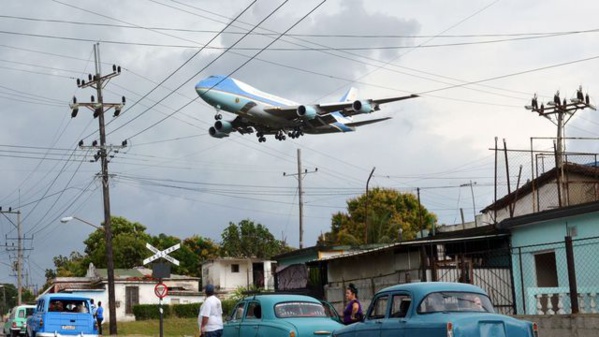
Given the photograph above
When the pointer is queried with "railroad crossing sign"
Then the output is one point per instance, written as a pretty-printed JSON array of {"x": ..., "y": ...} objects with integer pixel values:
[
  {"x": 161, "y": 290},
  {"x": 162, "y": 254}
]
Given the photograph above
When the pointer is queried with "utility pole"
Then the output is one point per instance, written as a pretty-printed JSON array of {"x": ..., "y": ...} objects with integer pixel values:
[
  {"x": 99, "y": 108},
  {"x": 300, "y": 175},
  {"x": 19, "y": 249},
  {"x": 559, "y": 113}
]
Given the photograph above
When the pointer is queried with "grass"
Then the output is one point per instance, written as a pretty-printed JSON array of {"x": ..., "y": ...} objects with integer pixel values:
[{"x": 174, "y": 327}]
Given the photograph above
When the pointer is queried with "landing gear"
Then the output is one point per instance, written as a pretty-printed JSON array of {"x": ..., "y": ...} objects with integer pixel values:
[
  {"x": 280, "y": 136},
  {"x": 218, "y": 116},
  {"x": 295, "y": 133},
  {"x": 261, "y": 137}
]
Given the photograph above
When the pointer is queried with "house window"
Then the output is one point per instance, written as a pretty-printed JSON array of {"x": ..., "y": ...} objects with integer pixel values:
[
  {"x": 546, "y": 269},
  {"x": 234, "y": 268},
  {"x": 131, "y": 298}
]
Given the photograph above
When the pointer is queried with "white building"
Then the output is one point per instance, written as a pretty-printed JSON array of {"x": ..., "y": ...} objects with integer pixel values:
[
  {"x": 228, "y": 274},
  {"x": 131, "y": 287}
]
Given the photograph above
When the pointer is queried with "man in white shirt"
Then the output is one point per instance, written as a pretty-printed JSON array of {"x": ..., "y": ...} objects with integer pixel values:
[{"x": 210, "y": 318}]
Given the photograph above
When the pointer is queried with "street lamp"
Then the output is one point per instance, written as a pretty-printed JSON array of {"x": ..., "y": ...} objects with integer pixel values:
[
  {"x": 69, "y": 218},
  {"x": 109, "y": 268}
]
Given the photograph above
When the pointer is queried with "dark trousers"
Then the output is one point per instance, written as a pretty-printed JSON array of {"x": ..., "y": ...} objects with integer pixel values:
[
  {"x": 99, "y": 320},
  {"x": 215, "y": 333}
]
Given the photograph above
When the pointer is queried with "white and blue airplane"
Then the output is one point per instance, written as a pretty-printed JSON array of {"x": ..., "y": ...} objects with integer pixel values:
[{"x": 268, "y": 114}]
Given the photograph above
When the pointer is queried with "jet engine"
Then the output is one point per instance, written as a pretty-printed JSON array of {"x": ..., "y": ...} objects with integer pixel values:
[
  {"x": 362, "y": 107},
  {"x": 306, "y": 112},
  {"x": 220, "y": 129},
  {"x": 223, "y": 126},
  {"x": 214, "y": 133}
]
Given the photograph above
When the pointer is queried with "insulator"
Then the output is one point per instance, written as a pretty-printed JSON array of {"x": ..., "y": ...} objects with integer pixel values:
[
  {"x": 95, "y": 143},
  {"x": 74, "y": 112},
  {"x": 124, "y": 143},
  {"x": 81, "y": 142},
  {"x": 93, "y": 98},
  {"x": 74, "y": 100},
  {"x": 123, "y": 100},
  {"x": 118, "y": 69},
  {"x": 89, "y": 77},
  {"x": 78, "y": 82},
  {"x": 113, "y": 67}
]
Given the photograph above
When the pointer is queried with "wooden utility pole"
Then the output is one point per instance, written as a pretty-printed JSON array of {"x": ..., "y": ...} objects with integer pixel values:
[
  {"x": 99, "y": 108},
  {"x": 559, "y": 113},
  {"x": 299, "y": 176}
]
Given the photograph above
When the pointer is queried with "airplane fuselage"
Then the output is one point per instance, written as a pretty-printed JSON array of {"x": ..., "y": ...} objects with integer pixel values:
[{"x": 244, "y": 100}]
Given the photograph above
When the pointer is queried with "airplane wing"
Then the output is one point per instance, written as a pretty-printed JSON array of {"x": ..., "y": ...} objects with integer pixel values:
[
  {"x": 347, "y": 109},
  {"x": 370, "y": 121}
]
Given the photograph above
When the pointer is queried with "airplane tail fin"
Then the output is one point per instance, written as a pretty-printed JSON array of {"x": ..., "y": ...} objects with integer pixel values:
[{"x": 350, "y": 96}]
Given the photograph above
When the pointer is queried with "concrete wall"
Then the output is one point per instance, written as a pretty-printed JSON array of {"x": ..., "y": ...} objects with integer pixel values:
[{"x": 582, "y": 325}]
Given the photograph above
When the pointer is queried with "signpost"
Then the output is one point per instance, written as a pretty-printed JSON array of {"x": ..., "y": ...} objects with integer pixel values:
[{"x": 161, "y": 290}]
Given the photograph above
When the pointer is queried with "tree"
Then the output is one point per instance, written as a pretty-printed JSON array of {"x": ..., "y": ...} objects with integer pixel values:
[
  {"x": 385, "y": 211},
  {"x": 203, "y": 249},
  {"x": 250, "y": 240},
  {"x": 128, "y": 244}
]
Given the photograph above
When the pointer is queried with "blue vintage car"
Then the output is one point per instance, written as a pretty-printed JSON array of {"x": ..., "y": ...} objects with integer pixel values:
[
  {"x": 60, "y": 314},
  {"x": 280, "y": 315},
  {"x": 435, "y": 309}
]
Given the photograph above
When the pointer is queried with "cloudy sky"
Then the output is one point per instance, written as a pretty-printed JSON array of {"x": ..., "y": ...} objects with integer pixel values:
[{"x": 475, "y": 65}]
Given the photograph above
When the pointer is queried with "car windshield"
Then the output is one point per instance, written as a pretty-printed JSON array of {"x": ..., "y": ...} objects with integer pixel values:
[
  {"x": 299, "y": 309},
  {"x": 455, "y": 301}
]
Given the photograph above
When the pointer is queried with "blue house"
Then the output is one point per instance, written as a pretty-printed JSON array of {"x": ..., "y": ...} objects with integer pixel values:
[{"x": 540, "y": 270}]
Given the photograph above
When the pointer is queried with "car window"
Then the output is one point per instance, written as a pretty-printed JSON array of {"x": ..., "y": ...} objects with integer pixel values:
[
  {"x": 379, "y": 307},
  {"x": 400, "y": 305},
  {"x": 237, "y": 313},
  {"x": 299, "y": 309},
  {"x": 22, "y": 313},
  {"x": 455, "y": 301},
  {"x": 29, "y": 311},
  {"x": 254, "y": 311}
]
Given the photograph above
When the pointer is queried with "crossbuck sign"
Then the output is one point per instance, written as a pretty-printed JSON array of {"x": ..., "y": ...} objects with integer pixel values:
[{"x": 162, "y": 254}]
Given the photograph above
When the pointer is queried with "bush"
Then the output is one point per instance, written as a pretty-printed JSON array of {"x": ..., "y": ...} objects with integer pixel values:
[
  {"x": 144, "y": 312},
  {"x": 186, "y": 310},
  {"x": 228, "y": 306}
]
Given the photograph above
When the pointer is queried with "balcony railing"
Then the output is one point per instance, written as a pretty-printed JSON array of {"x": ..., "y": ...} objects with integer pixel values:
[{"x": 556, "y": 301}]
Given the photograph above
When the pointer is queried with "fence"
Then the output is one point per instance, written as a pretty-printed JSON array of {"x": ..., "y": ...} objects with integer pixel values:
[
  {"x": 532, "y": 178},
  {"x": 557, "y": 278}
]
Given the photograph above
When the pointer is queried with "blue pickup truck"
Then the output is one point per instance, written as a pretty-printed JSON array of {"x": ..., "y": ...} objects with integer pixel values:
[{"x": 62, "y": 315}]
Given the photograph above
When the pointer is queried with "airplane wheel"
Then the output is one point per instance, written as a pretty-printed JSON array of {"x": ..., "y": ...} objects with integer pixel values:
[
  {"x": 218, "y": 117},
  {"x": 283, "y": 138}
]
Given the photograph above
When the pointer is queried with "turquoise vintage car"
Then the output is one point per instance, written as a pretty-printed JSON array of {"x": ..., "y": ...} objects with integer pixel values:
[
  {"x": 16, "y": 323},
  {"x": 280, "y": 315},
  {"x": 435, "y": 309}
]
